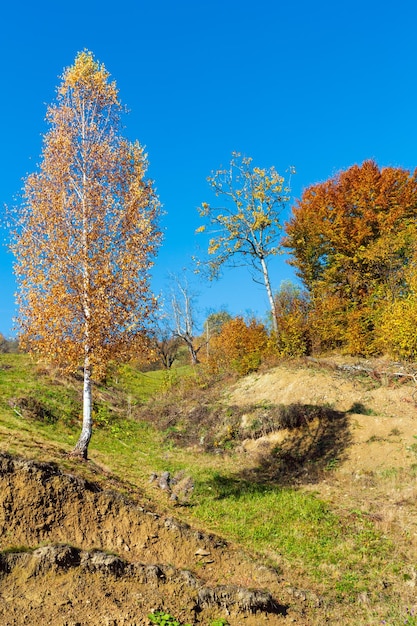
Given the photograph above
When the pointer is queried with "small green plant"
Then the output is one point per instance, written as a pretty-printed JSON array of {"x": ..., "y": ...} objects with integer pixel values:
[
  {"x": 170, "y": 378},
  {"x": 375, "y": 439},
  {"x": 413, "y": 447},
  {"x": 389, "y": 472},
  {"x": 164, "y": 619},
  {"x": 332, "y": 464},
  {"x": 102, "y": 415},
  {"x": 411, "y": 617},
  {"x": 220, "y": 622},
  {"x": 395, "y": 432}
]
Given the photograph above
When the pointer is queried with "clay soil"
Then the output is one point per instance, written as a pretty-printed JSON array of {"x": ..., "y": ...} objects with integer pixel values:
[
  {"x": 75, "y": 554},
  {"x": 378, "y": 402}
]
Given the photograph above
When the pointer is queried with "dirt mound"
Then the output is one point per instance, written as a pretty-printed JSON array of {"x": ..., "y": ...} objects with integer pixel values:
[
  {"x": 104, "y": 559},
  {"x": 104, "y": 589},
  {"x": 373, "y": 468},
  {"x": 375, "y": 399}
]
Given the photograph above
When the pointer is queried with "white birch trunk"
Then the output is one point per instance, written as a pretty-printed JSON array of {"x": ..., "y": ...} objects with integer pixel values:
[
  {"x": 81, "y": 448},
  {"x": 267, "y": 282}
]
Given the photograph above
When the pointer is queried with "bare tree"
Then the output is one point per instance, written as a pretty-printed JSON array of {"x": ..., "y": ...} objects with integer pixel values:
[
  {"x": 164, "y": 343},
  {"x": 182, "y": 306}
]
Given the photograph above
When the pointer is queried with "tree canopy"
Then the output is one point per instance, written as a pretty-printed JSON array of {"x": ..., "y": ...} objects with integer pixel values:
[
  {"x": 246, "y": 229},
  {"x": 353, "y": 240}
]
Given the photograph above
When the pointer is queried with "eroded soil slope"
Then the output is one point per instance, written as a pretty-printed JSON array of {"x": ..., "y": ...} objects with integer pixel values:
[
  {"x": 97, "y": 558},
  {"x": 374, "y": 468},
  {"x": 380, "y": 408}
]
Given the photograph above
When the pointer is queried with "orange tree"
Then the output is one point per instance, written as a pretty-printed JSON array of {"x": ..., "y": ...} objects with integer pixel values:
[
  {"x": 86, "y": 234},
  {"x": 239, "y": 346},
  {"x": 352, "y": 237}
]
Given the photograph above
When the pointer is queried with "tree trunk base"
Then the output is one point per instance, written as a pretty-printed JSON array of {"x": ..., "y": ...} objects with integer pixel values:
[{"x": 80, "y": 455}]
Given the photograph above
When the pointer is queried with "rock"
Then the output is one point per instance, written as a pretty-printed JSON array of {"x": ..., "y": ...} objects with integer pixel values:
[
  {"x": 172, "y": 524},
  {"x": 164, "y": 481},
  {"x": 202, "y": 552}
]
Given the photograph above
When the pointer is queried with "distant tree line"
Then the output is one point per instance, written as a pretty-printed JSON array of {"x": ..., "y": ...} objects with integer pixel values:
[{"x": 8, "y": 346}]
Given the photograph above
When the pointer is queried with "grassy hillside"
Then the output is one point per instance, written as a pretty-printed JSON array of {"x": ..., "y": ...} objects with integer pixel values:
[{"x": 290, "y": 500}]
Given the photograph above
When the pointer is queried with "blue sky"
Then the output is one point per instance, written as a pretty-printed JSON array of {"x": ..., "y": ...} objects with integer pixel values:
[{"x": 317, "y": 85}]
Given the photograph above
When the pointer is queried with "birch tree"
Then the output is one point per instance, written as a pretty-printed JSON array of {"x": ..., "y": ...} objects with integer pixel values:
[
  {"x": 246, "y": 229},
  {"x": 86, "y": 235}
]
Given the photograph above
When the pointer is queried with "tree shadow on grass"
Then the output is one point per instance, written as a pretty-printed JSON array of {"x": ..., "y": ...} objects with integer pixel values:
[{"x": 313, "y": 442}]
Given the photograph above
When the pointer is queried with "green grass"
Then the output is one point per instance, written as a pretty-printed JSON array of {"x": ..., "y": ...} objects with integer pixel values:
[
  {"x": 291, "y": 527},
  {"x": 141, "y": 386}
]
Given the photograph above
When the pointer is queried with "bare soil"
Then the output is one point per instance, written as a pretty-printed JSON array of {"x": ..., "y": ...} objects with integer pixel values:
[
  {"x": 100, "y": 558},
  {"x": 380, "y": 410},
  {"x": 371, "y": 469}
]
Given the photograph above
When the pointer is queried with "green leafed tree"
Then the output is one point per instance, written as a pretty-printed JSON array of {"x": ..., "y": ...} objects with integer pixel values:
[
  {"x": 86, "y": 234},
  {"x": 245, "y": 227},
  {"x": 215, "y": 321}
]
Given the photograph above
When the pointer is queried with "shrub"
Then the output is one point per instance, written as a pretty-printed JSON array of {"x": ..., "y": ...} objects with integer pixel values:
[
  {"x": 239, "y": 347},
  {"x": 164, "y": 619},
  {"x": 291, "y": 308},
  {"x": 396, "y": 332}
]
